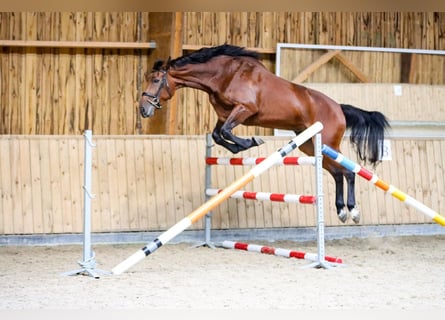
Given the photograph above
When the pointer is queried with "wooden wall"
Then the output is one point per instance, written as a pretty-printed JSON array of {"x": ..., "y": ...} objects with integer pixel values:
[
  {"x": 264, "y": 29},
  {"x": 374, "y": 67},
  {"x": 67, "y": 90},
  {"x": 150, "y": 182}
]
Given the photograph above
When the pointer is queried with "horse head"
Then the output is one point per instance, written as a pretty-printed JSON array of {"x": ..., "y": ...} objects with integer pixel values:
[{"x": 157, "y": 90}]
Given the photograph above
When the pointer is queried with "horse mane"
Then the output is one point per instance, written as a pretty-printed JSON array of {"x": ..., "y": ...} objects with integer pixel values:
[{"x": 205, "y": 54}]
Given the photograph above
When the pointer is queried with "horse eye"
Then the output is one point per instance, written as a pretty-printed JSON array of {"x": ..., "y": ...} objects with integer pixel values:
[{"x": 156, "y": 80}]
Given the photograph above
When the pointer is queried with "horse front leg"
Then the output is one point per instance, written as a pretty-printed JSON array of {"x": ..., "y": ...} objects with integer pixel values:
[
  {"x": 238, "y": 115},
  {"x": 217, "y": 137},
  {"x": 350, "y": 179}
]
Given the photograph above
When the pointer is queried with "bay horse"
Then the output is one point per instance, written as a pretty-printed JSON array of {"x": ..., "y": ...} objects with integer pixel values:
[{"x": 243, "y": 91}]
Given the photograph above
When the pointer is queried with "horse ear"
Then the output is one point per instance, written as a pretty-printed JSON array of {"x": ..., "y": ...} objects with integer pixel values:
[
  {"x": 157, "y": 65},
  {"x": 167, "y": 65}
]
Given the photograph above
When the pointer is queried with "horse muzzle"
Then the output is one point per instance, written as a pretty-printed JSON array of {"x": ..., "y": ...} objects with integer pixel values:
[
  {"x": 147, "y": 107},
  {"x": 147, "y": 110}
]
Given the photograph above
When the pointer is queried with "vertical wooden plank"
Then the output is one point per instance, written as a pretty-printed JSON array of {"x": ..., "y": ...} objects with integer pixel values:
[
  {"x": 177, "y": 180},
  {"x": 46, "y": 118},
  {"x": 130, "y": 98},
  {"x": 175, "y": 51},
  {"x": 16, "y": 190},
  {"x": 29, "y": 77},
  {"x": 196, "y": 172},
  {"x": 66, "y": 78},
  {"x": 81, "y": 28},
  {"x": 426, "y": 175},
  {"x": 421, "y": 169},
  {"x": 389, "y": 173},
  {"x": 65, "y": 184},
  {"x": 100, "y": 103},
  {"x": 141, "y": 193},
  {"x": 4, "y": 89},
  {"x": 399, "y": 179},
  {"x": 6, "y": 181},
  {"x": 45, "y": 181},
  {"x": 42, "y": 78},
  {"x": 56, "y": 186},
  {"x": 3, "y": 211},
  {"x": 131, "y": 183},
  {"x": 408, "y": 179},
  {"x": 437, "y": 185},
  {"x": 103, "y": 219},
  {"x": 185, "y": 181},
  {"x": 76, "y": 147},
  {"x": 113, "y": 76},
  {"x": 153, "y": 194},
  {"x": 163, "y": 176},
  {"x": 24, "y": 184},
  {"x": 169, "y": 178},
  {"x": 234, "y": 32},
  {"x": 114, "y": 181},
  {"x": 439, "y": 147},
  {"x": 122, "y": 185},
  {"x": 417, "y": 178},
  {"x": 36, "y": 185},
  {"x": 16, "y": 67}
]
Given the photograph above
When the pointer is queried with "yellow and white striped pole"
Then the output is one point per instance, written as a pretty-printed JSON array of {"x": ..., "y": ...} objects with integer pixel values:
[{"x": 217, "y": 199}]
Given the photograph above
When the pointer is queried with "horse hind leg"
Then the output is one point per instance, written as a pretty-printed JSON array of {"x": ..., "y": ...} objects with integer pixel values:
[
  {"x": 338, "y": 175},
  {"x": 351, "y": 204},
  {"x": 339, "y": 199}
]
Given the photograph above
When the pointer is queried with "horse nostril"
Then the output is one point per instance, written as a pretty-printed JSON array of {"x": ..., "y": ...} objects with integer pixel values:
[{"x": 142, "y": 111}]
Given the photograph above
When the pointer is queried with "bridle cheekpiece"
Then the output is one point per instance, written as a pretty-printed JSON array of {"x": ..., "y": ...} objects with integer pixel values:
[{"x": 154, "y": 99}]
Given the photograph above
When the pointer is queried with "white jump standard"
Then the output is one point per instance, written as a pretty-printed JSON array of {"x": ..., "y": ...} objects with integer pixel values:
[{"x": 217, "y": 199}]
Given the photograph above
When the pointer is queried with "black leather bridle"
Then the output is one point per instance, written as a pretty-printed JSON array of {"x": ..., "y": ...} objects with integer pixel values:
[{"x": 154, "y": 99}]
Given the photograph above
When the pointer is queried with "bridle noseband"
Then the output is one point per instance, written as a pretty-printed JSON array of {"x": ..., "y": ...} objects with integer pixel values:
[{"x": 154, "y": 99}]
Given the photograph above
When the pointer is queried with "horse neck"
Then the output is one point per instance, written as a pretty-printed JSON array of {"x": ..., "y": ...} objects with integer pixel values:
[{"x": 196, "y": 76}]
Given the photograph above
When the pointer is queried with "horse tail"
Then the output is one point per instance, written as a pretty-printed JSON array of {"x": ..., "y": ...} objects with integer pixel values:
[{"x": 367, "y": 132}]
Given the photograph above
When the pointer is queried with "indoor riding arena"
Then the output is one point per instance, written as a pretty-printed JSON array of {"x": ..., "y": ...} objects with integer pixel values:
[{"x": 104, "y": 208}]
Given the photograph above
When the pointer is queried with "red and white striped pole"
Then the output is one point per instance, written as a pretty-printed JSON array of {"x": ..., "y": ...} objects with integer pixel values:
[
  {"x": 249, "y": 161},
  {"x": 217, "y": 199},
  {"x": 267, "y": 196},
  {"x": 277, "y": 251}
]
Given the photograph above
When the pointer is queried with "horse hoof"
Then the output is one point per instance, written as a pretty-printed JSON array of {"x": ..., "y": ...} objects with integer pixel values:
[
  {"x": 355, "y": 214},
  {"x": 258, "y": 141},
  {"x": 343, "y": 215}
]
